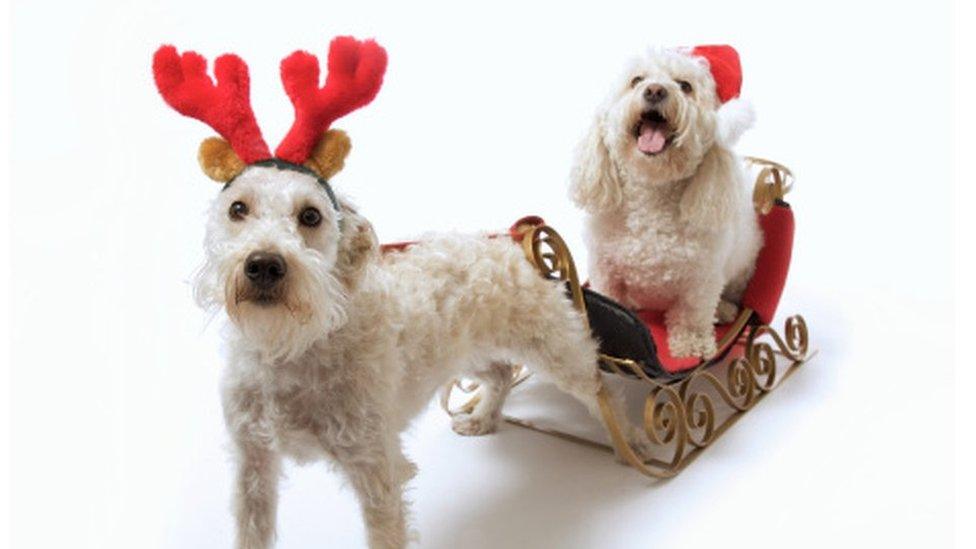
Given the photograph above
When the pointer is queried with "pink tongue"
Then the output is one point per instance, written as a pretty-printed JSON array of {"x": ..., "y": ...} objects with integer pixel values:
[{"x": 651, "y": 139}]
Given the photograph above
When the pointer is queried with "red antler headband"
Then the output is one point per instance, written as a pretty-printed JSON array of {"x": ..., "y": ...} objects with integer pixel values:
[
  {"x": 723, "y": 62},
  {"x": 355, "y": 75}
]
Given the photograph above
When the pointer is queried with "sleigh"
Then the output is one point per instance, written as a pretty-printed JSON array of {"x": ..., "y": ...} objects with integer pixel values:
[{"x": 687, "y": 402}]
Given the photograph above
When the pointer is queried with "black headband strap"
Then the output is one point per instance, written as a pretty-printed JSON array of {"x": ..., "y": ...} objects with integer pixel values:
[{"x": 290, "y": 166}]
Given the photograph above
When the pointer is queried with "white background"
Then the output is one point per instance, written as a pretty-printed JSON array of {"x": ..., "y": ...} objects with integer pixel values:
[{"x": 115, "y": 436}]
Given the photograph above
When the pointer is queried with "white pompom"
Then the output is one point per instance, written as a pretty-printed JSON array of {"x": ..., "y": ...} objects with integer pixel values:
[{"x": 734, "y": 118}]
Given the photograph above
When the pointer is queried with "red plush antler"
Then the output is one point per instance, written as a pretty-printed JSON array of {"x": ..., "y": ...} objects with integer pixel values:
[
  {"x": 355, "y": 76},
  {"x": 184, "y": 84}
]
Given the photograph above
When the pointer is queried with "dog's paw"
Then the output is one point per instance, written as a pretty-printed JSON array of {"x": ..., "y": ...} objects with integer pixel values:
[
  {"x": 692, "y": 343},
  {"x": 472, "y": 425},
  {"x": 726, "y": 311}
]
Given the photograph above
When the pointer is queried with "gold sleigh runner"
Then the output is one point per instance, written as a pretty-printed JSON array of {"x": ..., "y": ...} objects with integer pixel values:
[{"x": 682, "y": 415}]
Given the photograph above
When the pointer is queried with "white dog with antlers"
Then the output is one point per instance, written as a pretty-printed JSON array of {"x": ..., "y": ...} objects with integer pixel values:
[
  {"x": 336, "y": 347},
  {"x": 671, "y": 226}
]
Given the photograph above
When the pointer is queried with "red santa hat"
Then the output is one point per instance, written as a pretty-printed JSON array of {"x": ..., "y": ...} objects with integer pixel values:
[{"x": 723, "y": 61}]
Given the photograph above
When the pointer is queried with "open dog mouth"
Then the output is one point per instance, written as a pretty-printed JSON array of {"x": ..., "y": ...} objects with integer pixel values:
[{"x": 653, "y": 133}]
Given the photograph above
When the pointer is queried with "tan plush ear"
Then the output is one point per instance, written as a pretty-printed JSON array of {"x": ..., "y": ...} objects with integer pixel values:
[
  {"x": 329, "y": 155},
  {"x": 218, "y": 160},
  {"x": 595, "y": 184}
]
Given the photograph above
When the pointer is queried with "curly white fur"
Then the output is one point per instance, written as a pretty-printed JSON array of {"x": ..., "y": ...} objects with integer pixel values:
[
  {"x": 357, "y": 343},
  {"x": 675, "y": 230}
]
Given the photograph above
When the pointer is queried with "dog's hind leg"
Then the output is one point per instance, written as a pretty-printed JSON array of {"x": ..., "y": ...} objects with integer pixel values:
[
  {"x": 575, "y": 373},
  {"x": 566, "y": 355},
  {"x": 728, "y": 305},
  {"x": 494, "y": 384}
]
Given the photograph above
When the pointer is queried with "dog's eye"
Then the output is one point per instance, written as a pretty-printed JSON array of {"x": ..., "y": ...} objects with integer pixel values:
[
  {"x": 635, "y": 80},
  {"x": 237, "y": 211},
  {"x": 685, "y": 86},
  {"x": 310, "y": 217}
]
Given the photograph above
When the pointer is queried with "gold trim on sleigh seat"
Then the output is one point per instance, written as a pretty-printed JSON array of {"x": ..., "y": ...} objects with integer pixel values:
[{"x": 683, "y": 416}]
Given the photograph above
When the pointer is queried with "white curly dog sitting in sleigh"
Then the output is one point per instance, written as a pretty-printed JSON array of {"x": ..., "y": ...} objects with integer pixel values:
[
  {"x": 334, "y": 346},
  {"x": 671, "y": 226}
]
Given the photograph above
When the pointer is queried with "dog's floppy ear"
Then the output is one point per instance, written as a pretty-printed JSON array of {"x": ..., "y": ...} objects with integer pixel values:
[
  {"x": 218, "y": 160},
  {"x": 329, "y": 155},
  {"x": 358, "y": 246},
  {"x": 711, "y": 196},
  {"x": 595, "y": 184}
]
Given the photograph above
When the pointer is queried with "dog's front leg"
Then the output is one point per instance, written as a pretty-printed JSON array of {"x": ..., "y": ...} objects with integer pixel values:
[
  {"x": 258, "y": 468},
  {"x": 256, "y": 496},
  {"x": 690, "y": 320},
  {"x": 378, "y": 472}
]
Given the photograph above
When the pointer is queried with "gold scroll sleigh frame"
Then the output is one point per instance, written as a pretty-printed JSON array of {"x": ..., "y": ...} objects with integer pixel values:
[{"x": 682, "y": 416}]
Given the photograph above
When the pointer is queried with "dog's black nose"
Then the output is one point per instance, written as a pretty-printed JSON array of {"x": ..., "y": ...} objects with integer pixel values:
[
  {"x": 655, "y": 93},
  {"x": 265, "y": 269}
]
